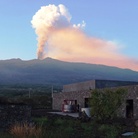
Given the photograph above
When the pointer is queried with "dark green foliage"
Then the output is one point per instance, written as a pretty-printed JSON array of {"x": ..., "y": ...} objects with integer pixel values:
[
  {"x": 6, "y": 135},
  {"x": 38, "y": 96},
  {"x": 73, "y": 128},
  {"x": 37, "y": 101},
  {"x": 43, "y": 121},
  {"x": 108, "y": 131},
  {"x": 106, "y": 102},
  {"x": 136, "y": 134}
]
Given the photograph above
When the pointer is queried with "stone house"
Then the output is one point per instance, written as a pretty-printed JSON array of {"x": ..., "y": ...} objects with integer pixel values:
[{"x": 81, "y": 93}]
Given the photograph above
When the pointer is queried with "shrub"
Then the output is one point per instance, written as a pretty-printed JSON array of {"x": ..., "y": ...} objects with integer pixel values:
[
  {"x": 108, "y": 131},
  {"x": 42, "y": 121},
  {"x": 25, "y": 130},
  {"x": 136, "y": 134},
  {"x": 106, "y": 102},
  {"x": 59, "y": 122}
]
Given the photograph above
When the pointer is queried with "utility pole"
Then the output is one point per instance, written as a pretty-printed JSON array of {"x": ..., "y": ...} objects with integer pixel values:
[
  {"x": 52, "y": 91},
  {"x": 29, "y": 92},
  {"x": 52, "y": 96}
]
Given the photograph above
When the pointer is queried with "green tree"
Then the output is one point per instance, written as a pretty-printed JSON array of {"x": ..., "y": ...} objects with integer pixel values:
[{"x": 106, "y": 102}]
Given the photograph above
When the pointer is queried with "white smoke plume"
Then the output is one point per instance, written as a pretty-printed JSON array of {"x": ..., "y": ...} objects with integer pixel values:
[
  {"x": 48, "y": 19},
  {"x": 59, "y": 38}
]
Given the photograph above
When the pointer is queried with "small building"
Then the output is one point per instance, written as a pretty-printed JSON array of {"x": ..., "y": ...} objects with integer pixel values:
[{"x": 81, "y": 93}]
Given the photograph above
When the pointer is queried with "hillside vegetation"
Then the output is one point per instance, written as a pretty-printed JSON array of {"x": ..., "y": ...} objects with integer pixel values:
[{"x": 51, "y": 71}]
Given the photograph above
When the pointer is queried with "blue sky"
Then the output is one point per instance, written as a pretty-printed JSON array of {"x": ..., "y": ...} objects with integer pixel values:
[{"x": 110, "y": 20}]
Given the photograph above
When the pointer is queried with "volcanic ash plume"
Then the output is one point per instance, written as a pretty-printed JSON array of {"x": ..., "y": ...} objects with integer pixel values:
[
  {"x": 46, "y": 20},
  {"x": 58, "y": 38}
]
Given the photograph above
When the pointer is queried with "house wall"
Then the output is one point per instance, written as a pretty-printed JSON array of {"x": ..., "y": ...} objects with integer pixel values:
[
  {"x": 58, "y": 98},
  {"x": 96, "y": 84},
  {"x": 81, "y": 86},
  {"x": 131, "y": 95}
]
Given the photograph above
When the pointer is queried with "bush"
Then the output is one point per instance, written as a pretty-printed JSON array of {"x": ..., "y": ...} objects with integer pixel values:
[
  {"x": 108, "y": 131},
  {"x": 43, "y": 121},
  {"x": 25, "y": 130},
  {"x": 106, "y": 102}
]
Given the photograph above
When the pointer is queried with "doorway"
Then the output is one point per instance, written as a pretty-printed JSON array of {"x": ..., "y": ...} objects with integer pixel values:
[
  {"x": 129, "y": 108},
  {"x": 87, "y": 102}
]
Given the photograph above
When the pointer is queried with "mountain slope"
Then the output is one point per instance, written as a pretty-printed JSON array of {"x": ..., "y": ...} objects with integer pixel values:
[{"x": 58, "y": 72}]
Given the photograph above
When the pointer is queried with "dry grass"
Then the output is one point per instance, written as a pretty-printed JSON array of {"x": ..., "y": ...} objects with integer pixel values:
[{"x": 25, "y": 130}]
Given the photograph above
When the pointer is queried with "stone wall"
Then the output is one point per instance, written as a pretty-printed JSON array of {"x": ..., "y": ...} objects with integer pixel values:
[
  {"x": 58, "y": 98},
  {"x": 81, "y": 86},
  {"x": 132, "y": 95},
  {"x": 80, "y": 96},
  {"x": 11, "y": 113},
  {"x": 93, "y": 84}
]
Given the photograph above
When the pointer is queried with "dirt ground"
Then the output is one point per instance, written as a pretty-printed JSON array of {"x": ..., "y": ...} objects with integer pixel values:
[{"x": 51, "y": 114}]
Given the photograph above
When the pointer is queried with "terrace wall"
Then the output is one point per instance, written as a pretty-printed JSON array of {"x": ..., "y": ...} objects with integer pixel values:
[{"x": 11, "y": 113}]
